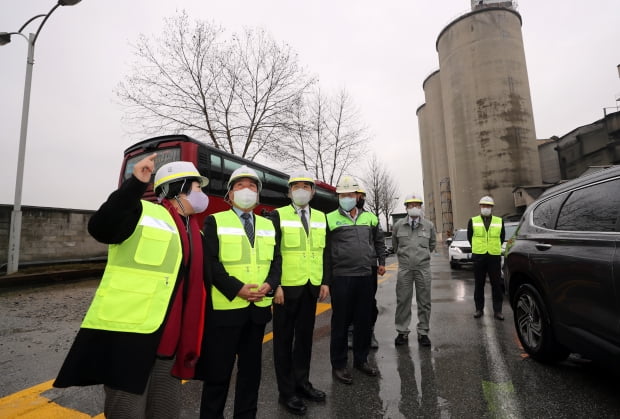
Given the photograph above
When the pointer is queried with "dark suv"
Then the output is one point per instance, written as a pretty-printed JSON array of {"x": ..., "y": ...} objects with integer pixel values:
[{"x": 563, "y": 271}]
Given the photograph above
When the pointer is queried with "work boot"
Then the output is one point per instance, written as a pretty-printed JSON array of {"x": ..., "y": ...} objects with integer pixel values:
[
  {"x": 350, "y": 337},
  {"x": 423, "y": 340},
  {"x": 374, "y": 344},
  {"x": 401, "y": 339}
]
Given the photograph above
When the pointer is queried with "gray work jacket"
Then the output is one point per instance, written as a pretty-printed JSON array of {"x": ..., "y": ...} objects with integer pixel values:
[{"x": 413, "y": 246}]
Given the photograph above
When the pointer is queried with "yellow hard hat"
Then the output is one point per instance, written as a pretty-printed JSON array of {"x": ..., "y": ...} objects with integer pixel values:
[
  {"x": 486, "y": 200},
  {"x": 301, "y": 176},
  {"x": 414, "y": 197},
  {"x": 244, "y": 171},
  {"x": 178, "y": 170},
  {"x": 347, "y": 184}
]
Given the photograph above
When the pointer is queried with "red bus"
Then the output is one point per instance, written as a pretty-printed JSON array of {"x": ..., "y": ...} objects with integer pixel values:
[{"x": 217, "y": 165}]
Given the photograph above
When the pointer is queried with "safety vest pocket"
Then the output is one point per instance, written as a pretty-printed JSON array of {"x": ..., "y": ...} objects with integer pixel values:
[
  {"x": 318, "y": 238},
  {"x": 128, "y": 298},
  {"x": 266, "y": 247},
  {"x": 153, "y": 246},
  {"x": 231, "y": 248},
  {"x": 291, "y": 237}
]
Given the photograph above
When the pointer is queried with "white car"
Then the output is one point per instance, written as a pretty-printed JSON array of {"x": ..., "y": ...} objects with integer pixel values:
[{"x": 459, "y": 249}]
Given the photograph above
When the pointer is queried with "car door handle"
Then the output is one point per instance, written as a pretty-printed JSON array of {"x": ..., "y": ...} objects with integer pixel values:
[{"x": 543, "y": 246}]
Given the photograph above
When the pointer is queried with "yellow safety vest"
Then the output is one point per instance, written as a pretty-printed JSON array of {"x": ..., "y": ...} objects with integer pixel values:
[
  {"x": 248, "y": 264},
  {"x": 140, "y": 275},
  {"x": 302, "y": 254},
  {"x": 484, "y": 241}
]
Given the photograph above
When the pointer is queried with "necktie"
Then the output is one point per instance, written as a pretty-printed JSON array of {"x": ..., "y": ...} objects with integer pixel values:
[
  {"x": 249, "y": 228},
  {"x": 304, "y": 221}
]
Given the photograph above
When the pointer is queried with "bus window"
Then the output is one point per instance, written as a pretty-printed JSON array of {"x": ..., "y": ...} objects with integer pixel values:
[
  {"x": 229, "y": 167},
  {"x": 217, "y": 182},
  {"x": 218, "y": 165},
  {"x": 164, "y": 156},
  {"x": 275, "y": 189}
]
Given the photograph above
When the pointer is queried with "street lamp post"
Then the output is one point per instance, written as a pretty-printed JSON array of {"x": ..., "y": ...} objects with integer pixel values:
[{"x": 16, "y": 215}]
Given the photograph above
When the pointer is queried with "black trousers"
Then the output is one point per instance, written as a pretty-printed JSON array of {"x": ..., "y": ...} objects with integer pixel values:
[
  {"x": 352, "y": 300},
  {"x": 293, "y": 327},
  {"x": 225, "y": 344},
  {"x": 491, "y": 265},
  {"x": 375, "y": 308}
]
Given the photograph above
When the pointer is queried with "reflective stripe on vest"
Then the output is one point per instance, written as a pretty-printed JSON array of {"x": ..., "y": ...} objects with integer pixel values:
[
  {"x": 248, "y": 264},
  {"x": 335, "y": 219},
  {"x": 139, "y": 278},
  {"x": 484, "y": 241},
  {"x": 302, "y": 254}
]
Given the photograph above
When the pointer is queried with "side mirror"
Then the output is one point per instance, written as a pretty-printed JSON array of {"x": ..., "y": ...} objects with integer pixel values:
[{"x": 448, "y": 241}]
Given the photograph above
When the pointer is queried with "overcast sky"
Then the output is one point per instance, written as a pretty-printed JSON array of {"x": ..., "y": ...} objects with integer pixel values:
[{"x": 381, "y": 52}]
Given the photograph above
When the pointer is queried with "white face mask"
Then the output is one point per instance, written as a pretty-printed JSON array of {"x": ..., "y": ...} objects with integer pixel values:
[
  {"x": 347, "y": 204},
  {"x": 198, "y": 200},
  {"x": 485, "y": 211},
  {"x": 245, "y": 198},
  {"x": 414, "y": 212},
  {"x": 301, "y": 197}
]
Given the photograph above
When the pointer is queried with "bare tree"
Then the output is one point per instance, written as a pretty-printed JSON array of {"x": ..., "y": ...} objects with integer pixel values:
[
  {"x": 235, "y": 93},
  {"x": 328, "y": 137},
  {"x": 381, "y": 190},
  {"x": 373, "y": 184},
  {"x": 389, "y": 198}
]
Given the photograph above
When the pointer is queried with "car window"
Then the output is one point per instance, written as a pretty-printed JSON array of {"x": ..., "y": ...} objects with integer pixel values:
[
  {"x": 594, "y": 208},
  {"x": 545, "y": 213},
  {"x": 460, "y": 236},
  {"x": 510, "y": 229}
]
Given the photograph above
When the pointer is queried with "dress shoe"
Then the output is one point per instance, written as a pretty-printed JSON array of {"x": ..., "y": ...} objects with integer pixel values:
[
  {"x": 311, "y": 393},
  {"x": 498, "y": 316},
  {"x": 401, "y": 339},
  {"x": 293, "y": 404},
  {"x": 478, "y": 314},
  {"x": 373, "y": 341},
  {"x": 367, "y": 369},
  {"x": 423, "y": 340},
  {"x": 343, "y": 375}
]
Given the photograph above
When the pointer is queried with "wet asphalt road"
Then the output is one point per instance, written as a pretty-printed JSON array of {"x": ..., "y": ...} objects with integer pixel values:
[{"x": 474, "y": 368}]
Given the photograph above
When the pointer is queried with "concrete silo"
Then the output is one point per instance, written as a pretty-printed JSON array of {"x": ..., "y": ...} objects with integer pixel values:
[
  {"x": 489, "y": 127},
  {"x": 436, "y": 138},
  {"x": 427, "y": 165}
]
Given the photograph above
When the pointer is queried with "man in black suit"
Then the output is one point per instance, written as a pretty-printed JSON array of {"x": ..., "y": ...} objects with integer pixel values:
[
  {"x": 301, "y": 233},
  {"x": 242, "y": 257}
]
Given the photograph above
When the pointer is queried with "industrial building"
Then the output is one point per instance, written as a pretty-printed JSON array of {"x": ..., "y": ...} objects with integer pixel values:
[{"x": 477, "y": 134}]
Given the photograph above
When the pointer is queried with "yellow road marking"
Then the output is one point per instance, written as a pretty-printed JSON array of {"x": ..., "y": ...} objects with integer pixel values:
[{"x": 29, "y": 404}]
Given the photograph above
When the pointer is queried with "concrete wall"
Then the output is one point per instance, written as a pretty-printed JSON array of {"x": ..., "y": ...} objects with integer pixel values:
[
  {"x": 50, "y": 234},
  {"x": 427, "y": 165},
  {"x": 437, "y": 141},
  {"x": 489, "y": 127},
  {"x": 549, "y": 163}
]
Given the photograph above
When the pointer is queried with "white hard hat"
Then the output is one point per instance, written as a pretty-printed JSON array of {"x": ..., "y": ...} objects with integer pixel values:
[
  {"x": 414, "y": 197},
  {"x": 347, "y": 184},
  {"x": 178, "y": 170},
  {"x": 361, "y": 190},
  {"x": 301, "y": 176},
  {"x": 486, "y": 200},
  {"x": 244, "y": 171}
]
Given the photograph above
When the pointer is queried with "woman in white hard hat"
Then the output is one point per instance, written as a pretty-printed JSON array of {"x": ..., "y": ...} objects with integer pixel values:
[
  {"x": 241, "y": 252},
  {"x": 143, "y": 330}
]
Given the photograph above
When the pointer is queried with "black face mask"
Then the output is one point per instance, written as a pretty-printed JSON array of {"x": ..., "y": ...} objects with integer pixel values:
[{"x": 360, "y": 203}]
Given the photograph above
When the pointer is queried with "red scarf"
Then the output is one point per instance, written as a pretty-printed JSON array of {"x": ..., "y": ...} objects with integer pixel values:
[{"x": 185, "y": 322}]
